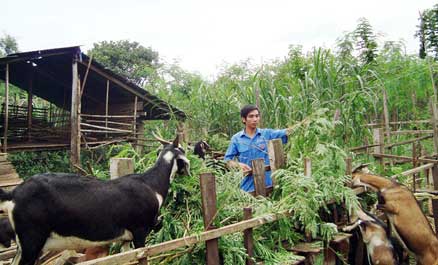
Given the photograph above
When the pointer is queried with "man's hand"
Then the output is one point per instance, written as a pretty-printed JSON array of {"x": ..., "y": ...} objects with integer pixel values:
[
  {"x": 244, "y": 167},
  {"x": 235, "y": 164}
]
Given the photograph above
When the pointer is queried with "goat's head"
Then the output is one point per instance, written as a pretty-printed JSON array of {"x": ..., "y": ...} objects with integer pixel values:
[{"x": 172, "y": 152}]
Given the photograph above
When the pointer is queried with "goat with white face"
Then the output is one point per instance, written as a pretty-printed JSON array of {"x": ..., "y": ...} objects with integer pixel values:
[
  {"x": 375, "y": 235},
  {"x": 66, "y": 211}
]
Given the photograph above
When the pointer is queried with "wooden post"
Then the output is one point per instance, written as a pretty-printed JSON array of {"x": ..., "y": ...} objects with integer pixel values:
[
  {"x": 5, "y": 131},
  {"x": 75, "y": 144},
  {"x": 307, "y": 167},
  {"x": 140, "y": 134},
  {"x": 434, "y": 121},
  {"x": 435, "y": 201},
  {"x": 258, "y": 173},
  {"x": 247, "y": 237},
  {"x": 106, "y": 106},
  {"x": 378, "y": 139},
  {"x": 29, "y": 108},
  {"x": 414, "y": 165},
  {"x": 209, "y": 209},
  {"x": 182, "y": 134},
  {"x": 276, "y": 155},
  {"x": 386, "y": 120},
  {"x": 121, "y": 167},
  {"x": 134, "y": 122}
]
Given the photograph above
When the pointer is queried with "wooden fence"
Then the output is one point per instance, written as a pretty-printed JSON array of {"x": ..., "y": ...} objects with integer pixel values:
[{"x": 211, "y": 234}]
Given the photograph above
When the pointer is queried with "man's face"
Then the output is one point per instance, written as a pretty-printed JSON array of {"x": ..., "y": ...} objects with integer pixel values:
[{"x": 252, "y": 119}]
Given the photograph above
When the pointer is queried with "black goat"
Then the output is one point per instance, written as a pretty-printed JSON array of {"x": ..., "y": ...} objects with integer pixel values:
[
  {"x": 65, "y": 211},
  {"x": 201, "y": 148},
  {"x": 6, "y": 233}
]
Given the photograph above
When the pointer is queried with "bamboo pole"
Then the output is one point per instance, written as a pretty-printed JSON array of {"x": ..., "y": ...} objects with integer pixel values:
[
  {"x": 110, "y": 122},
  {"x": 104, "y": 128},
  {"x": 106, "y": 116},
  {"x": 386, "y": 120},
  {"x": 5, "y": 131}
]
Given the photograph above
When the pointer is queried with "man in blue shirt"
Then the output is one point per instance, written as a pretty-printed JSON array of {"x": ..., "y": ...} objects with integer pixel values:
[{"x": 252, "y": 143}]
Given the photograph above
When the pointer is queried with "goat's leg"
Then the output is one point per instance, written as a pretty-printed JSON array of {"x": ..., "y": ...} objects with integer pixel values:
[
  {"x": 31, "y": 243},
  {"x": 140, "y": 235},
  {"x": 388, "y": 207}
]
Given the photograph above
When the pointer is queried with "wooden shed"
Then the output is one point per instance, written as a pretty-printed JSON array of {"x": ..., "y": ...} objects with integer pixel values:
[{"x": 89, "y": 104}]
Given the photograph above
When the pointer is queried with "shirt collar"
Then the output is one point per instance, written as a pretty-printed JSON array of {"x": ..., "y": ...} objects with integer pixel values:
[{"x": 243, "y": 133}]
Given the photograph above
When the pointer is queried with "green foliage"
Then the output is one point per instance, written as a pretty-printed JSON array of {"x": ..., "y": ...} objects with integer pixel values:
[
  {"x": 8, "y": 45},
  {"x": 129, "y": 59},
  {"x": 367, "y": 44},
  {"x": 428, "y": 32},
  {"x": 31, "y": 163}
]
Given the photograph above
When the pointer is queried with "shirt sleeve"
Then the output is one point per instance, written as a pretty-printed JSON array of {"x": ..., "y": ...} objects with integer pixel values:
[
  {"x": 274, "y": 134},
  {"x": 232, "y": 151}
]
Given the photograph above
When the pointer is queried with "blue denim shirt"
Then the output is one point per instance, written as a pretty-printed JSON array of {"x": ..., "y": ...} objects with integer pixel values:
[{"x": 247, "y": 149}]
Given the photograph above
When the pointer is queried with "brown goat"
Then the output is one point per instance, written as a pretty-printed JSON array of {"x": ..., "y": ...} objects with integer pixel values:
[
  {"x": 376, "y": 238},
  {"x": 407, "y": 220}
]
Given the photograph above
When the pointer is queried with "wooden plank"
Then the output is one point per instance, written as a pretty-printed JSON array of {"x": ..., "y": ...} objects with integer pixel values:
[
  {"x": 131, "y": 255},
  {"x": 414, "y": 132},
  {"x": 258, "y": 168}
]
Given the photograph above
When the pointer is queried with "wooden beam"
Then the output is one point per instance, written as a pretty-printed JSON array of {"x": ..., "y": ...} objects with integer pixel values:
[
  {"x": 29, "y": 107},
  {"x": 74, "y": 117},
  {"x": 106, "y": 104},
  {"x": 415, "y": 170},
  {"x": 5, "y": 131}
]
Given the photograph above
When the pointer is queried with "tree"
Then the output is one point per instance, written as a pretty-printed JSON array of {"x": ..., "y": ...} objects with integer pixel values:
[
  {"x": 8, "y": 45},
  {"x": 366, "y": 41},
  {"x": 129, "y": 59},
  {"x": 428, "y": 32},
  {"x": 421, "y": 35}
]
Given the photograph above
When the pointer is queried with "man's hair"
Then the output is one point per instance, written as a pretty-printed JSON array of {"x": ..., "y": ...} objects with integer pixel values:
[{"x": 247, "y": 109}]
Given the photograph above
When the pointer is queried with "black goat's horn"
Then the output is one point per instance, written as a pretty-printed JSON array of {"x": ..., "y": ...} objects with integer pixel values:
[{"x": 161, "y": 140}]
